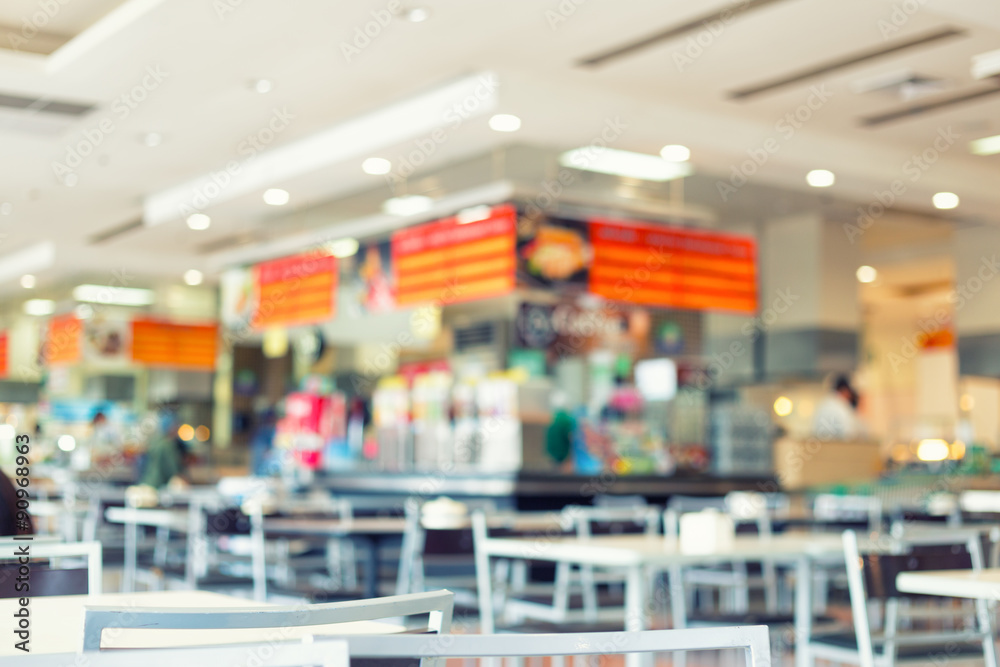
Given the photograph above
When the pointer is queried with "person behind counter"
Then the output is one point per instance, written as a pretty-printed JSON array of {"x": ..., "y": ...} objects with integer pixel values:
[
  {"x": 836, "y": 415},
  {"x": 8, "y": 510},
  {"x": 164, "y": 458}
]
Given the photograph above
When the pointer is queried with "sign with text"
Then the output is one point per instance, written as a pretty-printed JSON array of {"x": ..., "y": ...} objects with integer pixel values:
[
  {"x": 63, "y": 341},
  {"x": 455, "y": 259},
  {"x": 167, "y": 344},
  {"x": 4, "y": 344},
  {"x": 295, "y": 290},
  {"x": 673, "y": 267}
]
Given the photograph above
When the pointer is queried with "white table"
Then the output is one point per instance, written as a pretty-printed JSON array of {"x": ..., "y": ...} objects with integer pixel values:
[
  {"x": 57, "y": 623},
  {"x": 981, "y": 585},
  {"x": 640, "y": 554}
]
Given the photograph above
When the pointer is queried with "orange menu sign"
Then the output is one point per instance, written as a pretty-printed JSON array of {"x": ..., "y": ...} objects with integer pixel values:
[
  {"x": 160, "y": 343},
  {"x": 4, "y": 363},
  {"x": 295, "y": 290},
  {"x": 449, "y": 261},
  {"x": 64, "y": 341},
  {"x": 673, "y": 267}
]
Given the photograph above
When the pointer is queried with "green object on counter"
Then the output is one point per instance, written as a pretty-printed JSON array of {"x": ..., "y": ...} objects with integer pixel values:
[{"x": 559, "y": 436}]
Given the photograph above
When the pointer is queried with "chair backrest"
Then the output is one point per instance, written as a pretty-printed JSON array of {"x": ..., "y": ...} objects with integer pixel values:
[
  {"x": 613, "y": 520},
  {"x": 50, "y": 580},
  {"x": 873, "y": 575},
  {"x": 752, "y": 639},
  {"x": 438, "y": 604},
  {"x": 605, "y": 500},
  {"x": 864, "y": 511},
  {"x": 328, "y": 653}
]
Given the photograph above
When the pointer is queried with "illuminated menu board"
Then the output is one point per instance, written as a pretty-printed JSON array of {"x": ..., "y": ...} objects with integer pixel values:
[
  {"x": 296, "y": 290},
  {"x": 167, "y": 344}
]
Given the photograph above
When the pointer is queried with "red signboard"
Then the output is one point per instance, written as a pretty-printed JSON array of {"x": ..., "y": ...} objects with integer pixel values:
[
  {"x": 4, "y": 363},
  {"x": 295, "y": 290},
  {"x": 166, "y": 344},
  {"x": 450, "y": 261},
  {"x": 673, "y": 267},
  {"x": 63, "y": 342}
]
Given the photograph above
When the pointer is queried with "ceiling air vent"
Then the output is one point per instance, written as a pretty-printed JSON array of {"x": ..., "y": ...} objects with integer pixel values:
[
  {"x": 905, "y": 85},
  {"x": 39, "y": 115}
]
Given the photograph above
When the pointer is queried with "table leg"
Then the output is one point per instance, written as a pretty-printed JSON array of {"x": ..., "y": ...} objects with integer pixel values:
[
  {"x": 803, "y": 610},
  {"x": 131, "y": 549},
  {"x": 484, "y": 586},
  {"x": 678, "y": 608}
]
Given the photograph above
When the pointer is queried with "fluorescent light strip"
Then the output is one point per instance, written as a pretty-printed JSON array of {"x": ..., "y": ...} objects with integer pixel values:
[
  {"x": 353, "y": 139},
  {"x": 113, "y": 296},
  {"x": 33, "y": 259},
  {"x": 985, "y": 146},
  {"x": 624, "y": 163}
]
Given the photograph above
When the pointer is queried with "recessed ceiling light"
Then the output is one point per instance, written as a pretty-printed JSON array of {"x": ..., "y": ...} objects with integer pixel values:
[
  {"x": 675, "y": 153},
  {"x": 262, "y": 86},
  {"x": 199, "y": 221},
  {"x": 6, "y": 208},
  {"x": 28, "y": 281},
  {"x": 624, "y": 163},
  {"x": 152, "y": 139},
  {"x": 39, "y": 307},
  {"x": 473, "y": 214},
  {"x": 418, "y": 15},
  {"x": 276, "y": 197},
  {"x": 505, "y": 122},
  {"x": 376, "y": 166},
  {"x": 945, "y": 200},
  {"x": 115, "y": 296},
  {"x": 342, "y": 248},
  {"x": 70, "y": 180},
  {"x": 193, "y": 277},
  {"x": 407, "y": 205},
  {"x": 866, "y": 274},
  {"x": 820, "y": 178},
  {"x": 985, "y": 146}
]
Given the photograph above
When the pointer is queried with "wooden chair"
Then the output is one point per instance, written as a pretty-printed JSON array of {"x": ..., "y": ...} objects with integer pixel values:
[
  {"x": 51, "y": 579},
  {"x": 873, "y": 577},
  {"x": 325, "y": 654},
  {"x": 439, "y": 605}
]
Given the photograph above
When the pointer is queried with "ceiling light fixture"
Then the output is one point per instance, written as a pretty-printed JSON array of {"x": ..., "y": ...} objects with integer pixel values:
[
  {"x": 821, "y": 178},
  {"x": 115, "y": 296},
  {"x": 262, "y": 86},
  {"x": 193, "y": 277},
  {"x": 39, "y": 307},
  {"x": 276, "y": 197},
  {"x": 376, "y": 166},
  {"x": 418, "y": 15},
  {"x": 624, "y": 163},
  {"x": 32, "y": 259},
  {"x": 945, "y": 200},
  {"x": 866, "y": 274},
  {"x": 505, "y": 122},
  {"x": 152, "y": 139},
  {"x": 28, "y": 281},
  {"x": 199, "y": 221},
  {"x": 342, "y": 248},
  {"x": 347, "y": 142},
  {"x": 407, "y": 205},
  {"x": 70, "y": 180},
  {"x": 985, "y": 146},
  {"x": 675, "y": 153}
]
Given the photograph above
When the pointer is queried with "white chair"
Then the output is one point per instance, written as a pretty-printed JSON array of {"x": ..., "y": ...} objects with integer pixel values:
[
  {"x": 439, "y": 605},
  {"x": 753, "y": 640},
  {"x": 927, "y": 550},
  {"x": 11, "y": 550},
  {"x": 325, "y": 654}
]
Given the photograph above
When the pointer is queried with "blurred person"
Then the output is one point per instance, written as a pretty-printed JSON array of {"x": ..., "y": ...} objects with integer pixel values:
[
  {"x": 9, "y": 525},
  {"x": 560, "y": 433},
  {"x": 262, "y": 440},
  {"x": 164, "y": 458},
  {"x": 836, "y": 416}
]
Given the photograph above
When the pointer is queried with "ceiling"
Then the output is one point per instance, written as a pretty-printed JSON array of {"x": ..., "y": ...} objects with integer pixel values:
[{"x": 183, "y": 69}]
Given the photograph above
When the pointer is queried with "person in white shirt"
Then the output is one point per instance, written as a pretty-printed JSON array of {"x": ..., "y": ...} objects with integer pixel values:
[{"x": 836, "y": 416}]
